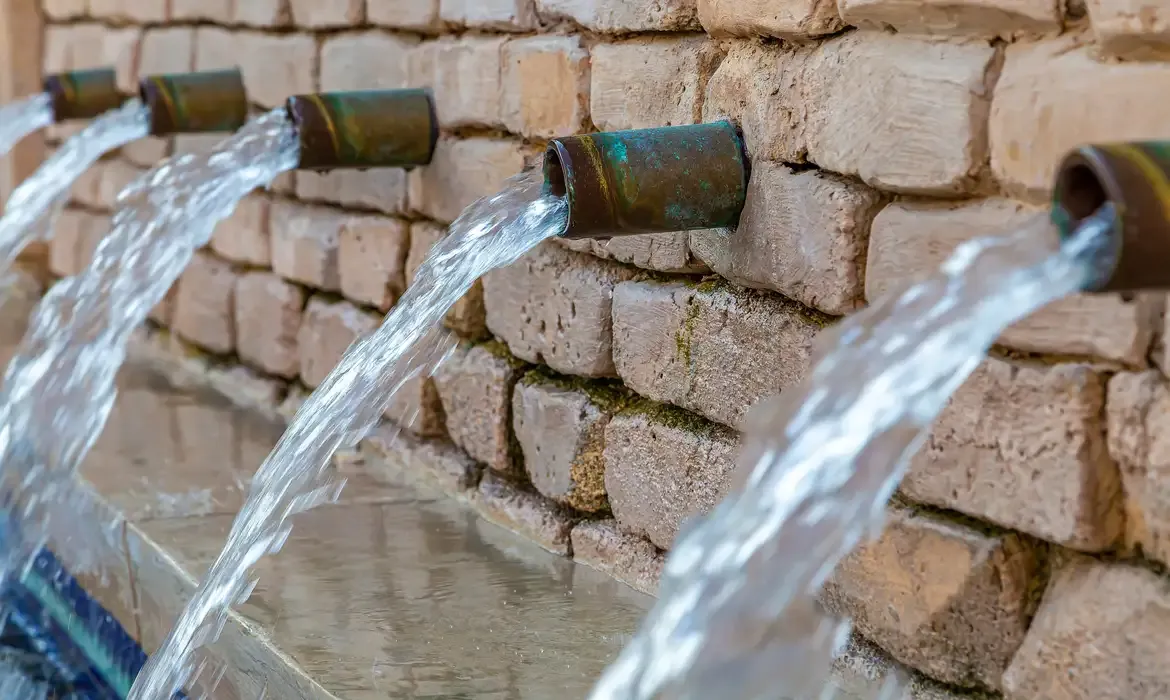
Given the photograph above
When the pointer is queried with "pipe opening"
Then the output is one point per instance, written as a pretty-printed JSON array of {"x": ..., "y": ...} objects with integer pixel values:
[
  {"x": 554, "y": 173},
  {"x": 1080, "y": 192}
]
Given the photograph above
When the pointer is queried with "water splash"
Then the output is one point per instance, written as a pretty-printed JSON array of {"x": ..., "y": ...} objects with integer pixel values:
[
  {"x": 21, "y": 118},
  {"x": 737, "y": 616},
  {"x": 34, "y": 205},
  {"x": 492, "y": 232}
]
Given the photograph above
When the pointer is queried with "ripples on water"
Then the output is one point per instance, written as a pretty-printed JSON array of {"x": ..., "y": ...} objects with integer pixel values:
[
  {"x": 490, "y": 233},
  {"x": 21, "y": 118},
  {"x": 737, "y": 616}
]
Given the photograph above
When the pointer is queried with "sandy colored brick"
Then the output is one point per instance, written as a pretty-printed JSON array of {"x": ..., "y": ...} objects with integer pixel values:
[
  {"x": 465, "y": 75},
  {"x": 397, "y": 453},
  {"x": 645, "y": 83},
  {"x": 508, "y": 15},
  {"x": 167, "y": 50},
  {"x": 663, "y": 466},
  {"x": 87, "y": 188},
  {"x": 274, "y": 65},
  {"x": 664, "y": 252},
  {"x": 268, "y": 318},
  {"x": 116, "y": 177},
  {"x": 403, "y": 14},
  {"x": 801, "y": 233},
  {"x": 163, "y": 312},
  {"x": 909, "y": 240},
  {"x": 147, "y": 152},
  {"x": 72, "y": 236},
  {"x": 98, "y": 46},
  {"x": 715, "y": 351},
  {"x": 218, "y": 11},
  {"x": 380, "y": 189},
  {"x": 546, "y": 86},
  {"x": 57, "y": 52},
  {"x": 785, "y": 19},
  {"x": 369, "y": 60},
  {"x": 561, "y": 431},
  {"x": 1024, "y": 447},
  {"x": 141, "y": 11},
  {"x": 626, "y": 15},
  {"x": 1040, "y": 112},
  {"x": 317, "y": 14},
  {"x": 994, "y": 18},
  {"x": 204, "y": 310},
  {"x": 372, "y": 256},
  {"x": 418, "y": 408},
  {"x": 553, "y": 306},
  {"x": 941, "y": 597},
  {"x": 64, "y": 9},
  {"x": 462, "y": 171},
  {"x": 1100, "y": 633},
  {"x": 1131, "y": 29},
  {"x": 467, "y": 316},
  {"x": 262, "y": 13},
  {"x": 633, "y": 560},
  {"x": 525, "y": 513},
  {"x": 244, "y": 236},
  {"x": 305, "y": 244},
  {"x": 475, "y": 385},
  {"x": 327, "y": 330}
]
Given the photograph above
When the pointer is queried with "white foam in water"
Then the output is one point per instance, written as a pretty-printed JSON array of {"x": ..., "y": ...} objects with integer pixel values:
[
  {"x": 490, "y": 233},
  {"x": 737, "y": 617},
  {"x": 21, "y": 118}
]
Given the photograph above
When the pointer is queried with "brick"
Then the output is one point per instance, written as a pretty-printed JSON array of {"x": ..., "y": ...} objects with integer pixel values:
[
  {"x": 327, "y": 13},
  {"x": 141, "y": 11},
  {"x": 1100, "y": 633},
  {"x": 435, "y": 461},
  {"x": 244, "y": 236},
  {"x": 369, "y": 60},
  {"x": 218, "y": 11},
  {"x": 864, "y": 670},
  {"x": 790, "y": 19},
  {"x": 64, "y": 9},
  {"x": 1039, "y": 112},
  {"x": 801, "y": 233},
  {"x": 418, "y": 408},
  {"x": 372, "y": 258},
  {"x": 646, "y": 83},
  {"x": 467, "y": 316},
  {"x": 1024, "y": 447},
  {"x": 274, "y": 66},
  {"x": 57, "y": 53},
  {"x": 1131, "y": 29},
  {"x": 147, "y": 152},
  {"x": 546, "y": 86},
  {"x": 167, "y": 50},
  {"x": 73, "y": 228},
  {"x": 462, "y": 171},
  {"x": 663, "y": 466},
  {"x": 262, "y": 13},
  {"x": 946, "y": 599},
  {"x": 197, "y": 143},
  {"x": 163, "y": 312},
  {"x": 87, "y": 188},
  {"x": 664, "y": 252},
  {"x": 268, "y": 317},
  {"x": 327, "y": 330},
  {"x": 999, "y": 18},
  {"x": 601, "y": 545},
  {"x": 380, "y": 189},
  {"x": 923, "y": 132},
  {"x": 507, "y": 15},
  {"x": 116, "y": 176},
  {"x": 561, "y": 432},
  {"x": 553, "y": 306},
  {"x": 204, "y": 311},
  {"x": 99, "y": 46},
  {"x": 713, "y": 351},
  {"x": 540, "y": 521},
  {"x": 626, "y": 16},
  {"x": 419, "y": 15},
  {"x": 305, "y": 243},
  {"x": 475, "y": 386},
  {"x": 909, "y": 241},
  {"x": 465, "y": 75}
]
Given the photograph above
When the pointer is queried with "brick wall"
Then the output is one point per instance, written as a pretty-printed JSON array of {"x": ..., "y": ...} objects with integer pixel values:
[{"x": 596, "y": 402}]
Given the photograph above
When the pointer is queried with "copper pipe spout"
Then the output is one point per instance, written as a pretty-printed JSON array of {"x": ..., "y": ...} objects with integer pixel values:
[
  {"x": 190, "y": 103},
  {"x": 366, "y": 129},
  {"x": 83, "y": 94}
]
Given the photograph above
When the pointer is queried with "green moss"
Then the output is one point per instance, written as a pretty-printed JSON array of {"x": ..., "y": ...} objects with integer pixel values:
[
  {"x": 610, "y": 395},
  {"x": 686, "y": 333},
  {"x": 672, "y": 417},
  {"x": 500, "y": 350}
]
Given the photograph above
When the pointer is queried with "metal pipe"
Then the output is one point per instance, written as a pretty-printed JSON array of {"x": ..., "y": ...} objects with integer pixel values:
[
  {"x": 1135, "y": 179},
  {"x": 191, "y": 103},
  {"x": 366, "y": 129},
  {"x": 83, "y": 94},
  {"x": 675, "y": 178}
]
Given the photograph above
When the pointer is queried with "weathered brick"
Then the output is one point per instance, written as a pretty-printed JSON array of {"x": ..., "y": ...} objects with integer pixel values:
[
  {"x": 274, "y": 66},
  {"x": 115, "y": 177},
  {"x": 545, "y": 86},
  {"x": 327, "y": 330},
  {"x": 268, "y": 318},
  {"x": 998, "y": 18},
  {"x": 244, "y": 236},
  {"x": 561, "y": 431},
  {"x": 64, "y": 9},
  {"x": 475, "y": 386},
  {"x": 645, "y": 83},
  {"x": 1024, "y": 447},
  {"x": 381, "y": 189},
  {"x": 372, "y": 257},
  {"x": 923, "y": 132},
  {"x": 369, "y": 60},
  {"x": 167, "y": 50},
  {"x": 147, "y": 152},
  {"x": 941, "y": 597},
  {"x": 467, "y": 316},
  {"x": 262, "y": 13},
  {"x": 73, "y": 239},
  {"x": 1131, "y": 29},
  {"x": 418, "y": 408},
  {"x": 327, "y": 13},
  {"x": 98, "y": 46},
  {"x": 553, "y": 306},
  {"x": 57, "y": 53},
  {"x": 714, "y": 351},
  {"x": 305, "y": 243},
  {"x": 790, "y": 19},
  {"x": 910, "y": 240},
  {"x": 600, "y": 544},
  {"x": 204, "y": 311},
  {"x": 141, "y": 11},
  {"x": 662, "y": 466},
  {"x": 399, "y": 453},
  {"x": 864, "y": 670},
  {"x": 87, "y": 188},
  {"x": 801, "y": 233},
  {"x": 626, "y": 15},
  {"x": 1100, "y": 633},
  {"x": 525, "y": 513},
  {"x": 462, "y": 171},
  {"x": 508, "y": 15},
  {"x": 219, "y": 11},
  {"x": 163, "y": 312},
  {"x": 1040, "y": 111},
  {"x": 665, "y": 252},
  {"x": 404, "y": 14},
  {"x": 465, "y": 75}
]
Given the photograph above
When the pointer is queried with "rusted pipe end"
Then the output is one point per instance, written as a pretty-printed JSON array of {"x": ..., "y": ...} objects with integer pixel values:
[
  {"x": 675, "y": 178},
  {"x": 191, "y": 103},
  {"x": 83, "y": 94},
  {"x": 365, "y": 129},
  {"x": 1135, "y": 179}
]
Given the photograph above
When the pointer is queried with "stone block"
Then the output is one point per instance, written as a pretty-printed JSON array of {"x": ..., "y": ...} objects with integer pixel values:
[
  {"x": 64, "y": 9},
  {"x": 786, "y": 19},
  {"x": 116, "y": 176},
  {"x": 73, "y": 233},
  {"x": 372, "y": 256},
  {"x": 305, "y": 244},
  {"x": 139, "y": 11},
  {"x": 505, "y": 15},
  {"x": 644, "y": 83},
  {"x": 167, "y": 50},
  {"x": 381, "y": 189},
  {"x": 664, "y": 252},
  {"x": 465, "y": 74},
  {"x": 545, "y": 86},
  {"x": 320, "y": 14},
  {"x": 1131, "y": 29},
  {"x": 327, "y": 330},
  {"x": 262, "y": 13},
  {"x": 244, "y": 236},
  {"x": 94, "y": 45},
  {"x": 462, "y": 171},
  {"x": 622, "y": 16},
  {"x": 217, "y": 11},
  {"x": 997, "y": 18},
  {"x": 434, "y": 461},
  {"x": 368, "y": 60},
  {"x": 527, "y": 514},
  {"x": 467, "y": 316},
  {"x": 147, "y": 152},
  {"x": 204, "y": 311},
  {"x": 475, "y": 385},
  {"x": 418, "y": 15},
  {"x": 601, "y": 545},
  {"x": 268, "y": 318},
  {"x": 418, "y": 408},
  {"x": 274, "y": 65}
]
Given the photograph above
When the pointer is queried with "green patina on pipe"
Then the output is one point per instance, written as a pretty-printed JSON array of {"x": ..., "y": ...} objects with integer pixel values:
[
  {"x": 191, "y": 103},
  {"x": 365, "y": 129},
  {"x": 83, "y": 94}
]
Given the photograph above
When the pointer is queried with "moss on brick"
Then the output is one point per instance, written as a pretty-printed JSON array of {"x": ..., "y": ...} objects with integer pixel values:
[
  {"x": 500, "y": 350},
  {"x": 673, "y": 417},
  {"x": 609, "y": 395}
]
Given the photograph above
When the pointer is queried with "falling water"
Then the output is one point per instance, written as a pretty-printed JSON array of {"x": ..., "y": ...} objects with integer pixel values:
[
  {"x": 737, "y": 616},
  {"x": 30, "y": 211},
  {"x": 20, "y": 119},
  {"x": 490, "y": 233}
]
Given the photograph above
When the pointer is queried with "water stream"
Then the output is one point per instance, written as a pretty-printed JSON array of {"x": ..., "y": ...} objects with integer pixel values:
[
  {"x": 34, "y": 205},
  {"x": 21, "y": 118}
]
